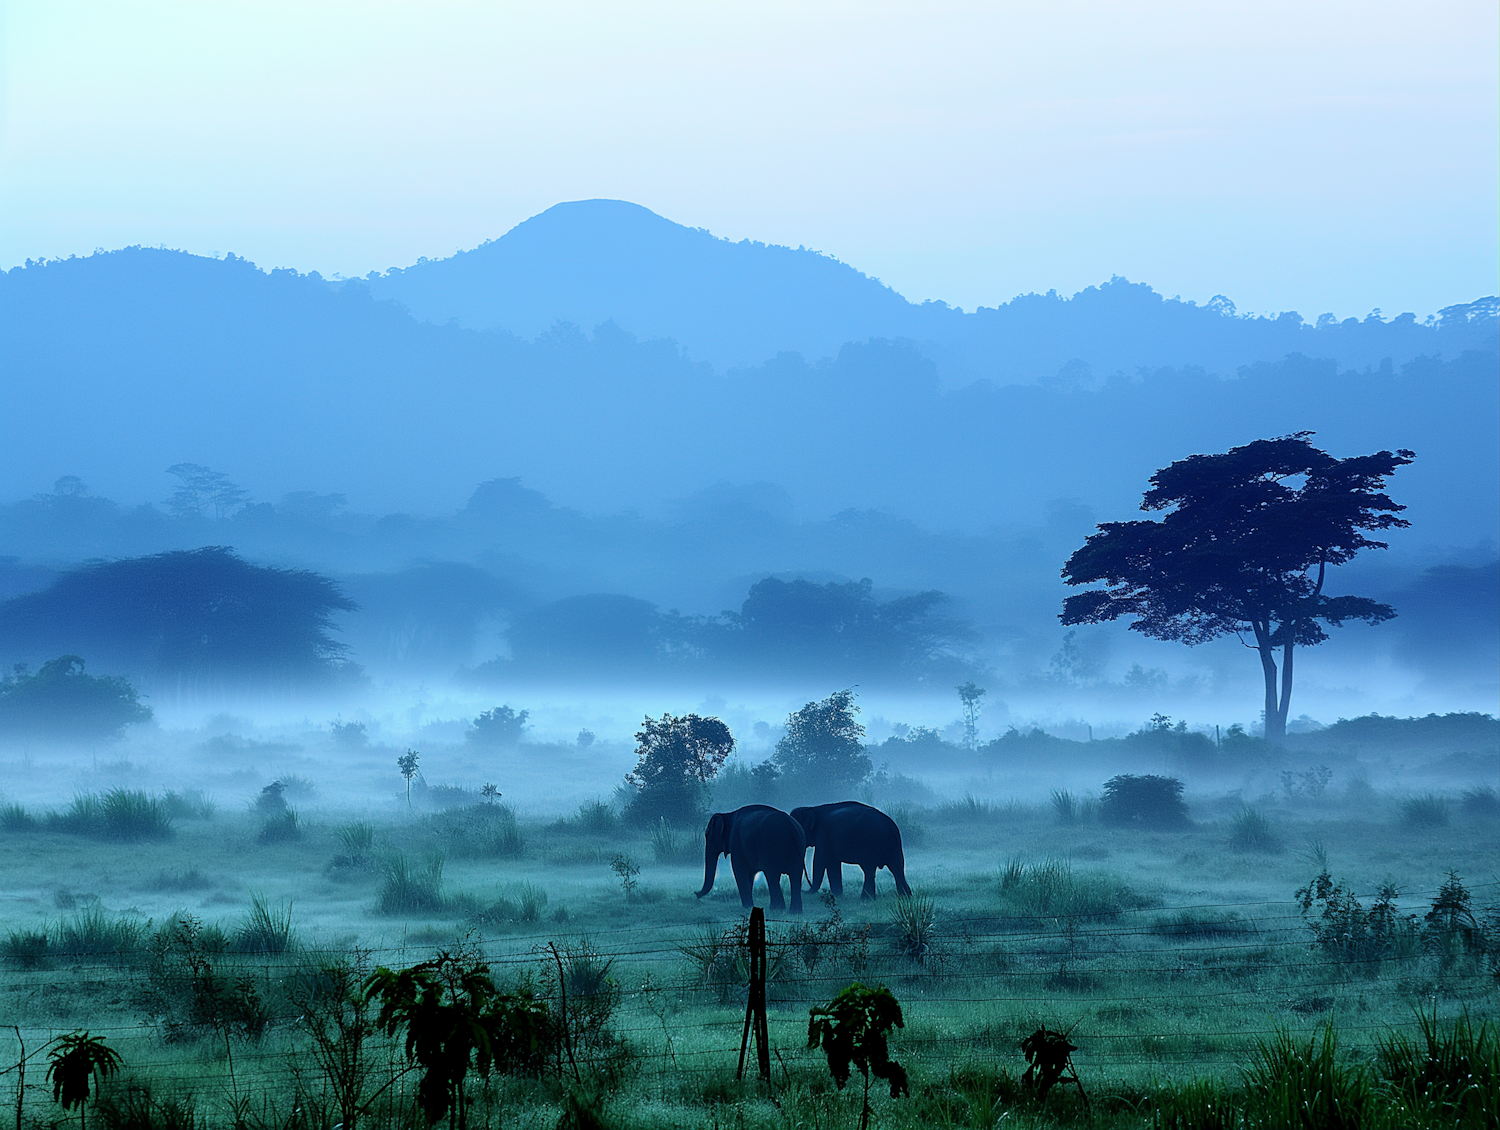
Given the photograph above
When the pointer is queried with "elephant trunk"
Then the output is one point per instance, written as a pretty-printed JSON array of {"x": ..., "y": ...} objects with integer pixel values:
[{"x": 710, "y": 866}]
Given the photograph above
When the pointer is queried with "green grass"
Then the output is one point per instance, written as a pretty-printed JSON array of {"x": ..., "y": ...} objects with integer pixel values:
[
  {"x": 1426, "y": 811},
  {"x": 1251, "y": 831},
  {"x": 120, "y": 815},
  {"x": 1052, "y": 889},
  {"x": 266, "y": 929}
]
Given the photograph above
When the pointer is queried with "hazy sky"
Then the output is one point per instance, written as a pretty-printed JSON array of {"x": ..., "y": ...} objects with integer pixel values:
[{"x": 1317, "y": 157}]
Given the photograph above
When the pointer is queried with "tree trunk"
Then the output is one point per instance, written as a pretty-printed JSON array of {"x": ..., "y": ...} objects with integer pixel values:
[{"x": 1274, "y": 714}]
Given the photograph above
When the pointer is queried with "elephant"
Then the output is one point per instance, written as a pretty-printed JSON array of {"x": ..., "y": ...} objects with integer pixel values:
[
  {"x": 850, "y": 832},
  {"x": 758, "y": 839}
]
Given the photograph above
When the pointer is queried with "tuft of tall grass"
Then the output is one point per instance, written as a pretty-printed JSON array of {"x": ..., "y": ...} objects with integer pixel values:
[
  {"x": 1192, "y": 925},
  {"x": 1295, "y": 1083},
  {"x": 671, "y": 846},
  {"x": 407, "y": 889},
  {"x": 266, "y": 929},
  {"x": 915, "y": 918},
  {"x": 1426, "y": 811},
  {"x": 122, "y": 815},
  {"x": 1448, "y": 1078},
  {"x": 94, "y": 934},
  {"x": 15, "y": 818},
  {"x": 1477, "y": 803},
  {"x": 1196, "y": 1104},
  {"x": 596, "y": 817},
  {"x": 190, "y": 804},
  {"x": 357, "y": 837},
  {"x": 479, "y": 831},
  {"x": 1250, "y": 830},
  {"x": 969, "y": 810},
  {"x": 1052, "y": 889},
  {"x": 25, "y": 949},
  {"x": 281, "y": 828}
]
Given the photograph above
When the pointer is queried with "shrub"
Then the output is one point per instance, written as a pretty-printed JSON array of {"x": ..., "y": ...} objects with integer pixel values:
[
  {"x": 1348, "y": 932},
  {"x": 1147, "y": 801},
  {"x": 479, "y": 831},
  {"x": 349, "y": 735},
  {"x": 122, "y": 815},
  {"x": 271, "y": 801},
  {"x": 266, "y": 929},
  {"x": 593, "y": 994},
  {"x": 1251, "y": 831},
  {"x": 61, "y": 700},
  {"x": 132, "y": 1105},
  {"x": 410, "y": 890},
  {"x": 1426, "y": 811},
  {"x": 279, "y": 829},
  {"x": 500, "y": 728}
]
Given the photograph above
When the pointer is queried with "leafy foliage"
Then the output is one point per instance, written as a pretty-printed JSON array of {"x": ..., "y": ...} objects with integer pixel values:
[
  {"x": 854, "y": 1029},
  {"x": 60, "y": 700},
  {"x": 77, "y": 1059},
  {"x": 1349, "y": 932},
  {"x": 455, "y": 1019},
  {"x": 500, "y": 728},
  {"x": 1146, "y": 801},
  {"x": 677, "y": 757},
  {"x": 200, "y": 618},
  {"x": 824, "y": 743}
]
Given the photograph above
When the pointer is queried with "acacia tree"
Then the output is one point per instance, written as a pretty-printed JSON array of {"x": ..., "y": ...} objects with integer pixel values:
[{"x": 1244, "y": 547}]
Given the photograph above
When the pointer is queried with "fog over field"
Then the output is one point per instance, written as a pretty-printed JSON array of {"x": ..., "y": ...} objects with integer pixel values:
[{"x": 399, "y": 656}]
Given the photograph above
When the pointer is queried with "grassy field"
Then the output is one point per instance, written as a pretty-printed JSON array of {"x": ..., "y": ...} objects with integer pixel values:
[{"x": 198, "y": 938}]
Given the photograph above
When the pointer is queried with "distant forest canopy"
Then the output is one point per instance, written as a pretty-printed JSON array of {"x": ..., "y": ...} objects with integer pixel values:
[
  {"x": 784, "y": 629},
  {"x": 558, "y": 590},
  {"x": 191, "y": 621},
  {"x": 286, "y": 383}
]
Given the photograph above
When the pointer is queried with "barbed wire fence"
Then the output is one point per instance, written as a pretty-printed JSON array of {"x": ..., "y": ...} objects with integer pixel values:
[{"x": 1130, "y": 985}]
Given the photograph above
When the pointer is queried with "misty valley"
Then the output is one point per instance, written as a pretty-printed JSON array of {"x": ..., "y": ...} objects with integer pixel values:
[{"x": 416, "y": 709}]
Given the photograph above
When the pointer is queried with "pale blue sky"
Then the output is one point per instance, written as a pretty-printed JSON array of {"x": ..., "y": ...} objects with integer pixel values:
[{"x": 1317, "y": 157}]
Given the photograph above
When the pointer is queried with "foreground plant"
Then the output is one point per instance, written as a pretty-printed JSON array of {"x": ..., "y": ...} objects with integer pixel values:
[
  {"x": 76, "y": 1060},
  {"x": 456, "y": 1019},
  {"x": 854, "y": 1028}
]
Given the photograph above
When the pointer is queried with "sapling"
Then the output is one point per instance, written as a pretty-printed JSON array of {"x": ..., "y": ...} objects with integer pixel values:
[
  {"x": 407, "y": 763},
  {"x": 854, "y": 1028}
]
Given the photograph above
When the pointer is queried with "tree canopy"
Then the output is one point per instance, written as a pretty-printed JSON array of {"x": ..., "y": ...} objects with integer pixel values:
[
  {"x": 193, "y": 618},
  {"x": 678, "y": 756},
  {"x": 61, "y": 700},
  {"x": 824, "y": 744},
  {"x": 1245, "y": 546}
]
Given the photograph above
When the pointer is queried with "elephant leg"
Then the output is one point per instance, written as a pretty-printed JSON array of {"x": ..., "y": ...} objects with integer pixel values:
[
  {"x": 868, "y": 890},
  {"x": 744, "y": 879},
  {"x": 773, "y": 881},
  {"x": 796, "y": 894},
  {"x": 818, "y": 867},
  {"x": 836, "y": 878},
  {"x": 898, "y": 872}
]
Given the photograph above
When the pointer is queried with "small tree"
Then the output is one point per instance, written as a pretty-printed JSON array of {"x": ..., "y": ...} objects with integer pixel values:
[
  {"x": 1245, "y": 546},
  {"x": 854, "y": 1028},
  {"x": 407, "y": 763},
  {"x": 456, "y": 1019},
  {"x": 969, "y": 694},
  {"x": 62, "y": 700},
  {"x": 78, "y": 1058},
  {"x": 824, "y": 743},
  {"x": 678, "y": 757},
  {"x": 500, "y": 728}
]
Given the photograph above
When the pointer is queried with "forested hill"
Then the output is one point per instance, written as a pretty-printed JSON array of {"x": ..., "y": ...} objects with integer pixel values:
[
  {"x": 739, "y": 304},
  {"x": 120, "y": 364}
]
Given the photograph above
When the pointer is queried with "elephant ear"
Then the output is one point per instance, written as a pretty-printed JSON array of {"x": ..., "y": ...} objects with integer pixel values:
[{"x": 715, "y": 832}]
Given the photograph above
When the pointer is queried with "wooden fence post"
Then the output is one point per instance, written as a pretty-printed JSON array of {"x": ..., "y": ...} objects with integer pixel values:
[{"x": 755, "y": 1003}]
